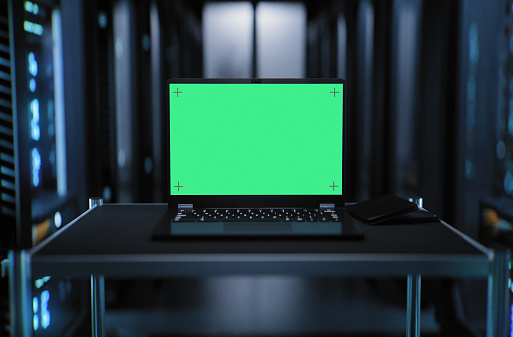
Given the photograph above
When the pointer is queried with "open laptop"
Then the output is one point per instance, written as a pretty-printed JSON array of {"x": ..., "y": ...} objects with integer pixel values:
[{"x": 256, "y": 158}]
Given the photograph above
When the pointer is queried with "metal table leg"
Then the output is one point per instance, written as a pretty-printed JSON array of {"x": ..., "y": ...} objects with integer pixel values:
[
  {"x": 20, "y": 284},
  {"x": 98, "y": 305},
  {"x": 97, "y": 291},
  {"x": 413, "y": 296},
  {"x": 498, "y": 311},
  {"x": 413, "y": 306}
]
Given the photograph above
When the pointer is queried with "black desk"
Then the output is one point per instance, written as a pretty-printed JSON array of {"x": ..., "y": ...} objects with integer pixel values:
[{"x": 114, "y": 240}]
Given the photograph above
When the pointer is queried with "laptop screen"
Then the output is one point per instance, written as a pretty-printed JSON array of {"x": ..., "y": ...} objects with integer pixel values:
[{"x": 255, "y": 139}]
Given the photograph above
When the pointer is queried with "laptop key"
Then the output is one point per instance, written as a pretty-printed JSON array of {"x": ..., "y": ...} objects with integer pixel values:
[{"x": 184, "y": 219}]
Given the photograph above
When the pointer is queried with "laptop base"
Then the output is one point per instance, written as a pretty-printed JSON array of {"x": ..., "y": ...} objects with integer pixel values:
[{"x": 167, "y": 229}]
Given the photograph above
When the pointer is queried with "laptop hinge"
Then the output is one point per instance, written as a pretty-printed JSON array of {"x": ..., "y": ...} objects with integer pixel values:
[
  {"x": 185, "y": 207},
  {"x": 326, "y": 207}
]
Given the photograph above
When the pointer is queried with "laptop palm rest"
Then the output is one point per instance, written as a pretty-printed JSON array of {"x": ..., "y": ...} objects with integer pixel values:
[{"x": 254, "y": 229}]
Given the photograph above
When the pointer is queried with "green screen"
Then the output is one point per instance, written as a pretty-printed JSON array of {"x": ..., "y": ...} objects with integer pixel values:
[{"x": 256, "y": 139}]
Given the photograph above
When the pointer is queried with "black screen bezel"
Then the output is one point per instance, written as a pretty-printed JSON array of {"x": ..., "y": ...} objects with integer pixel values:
[{"x": 255, "y": 201}]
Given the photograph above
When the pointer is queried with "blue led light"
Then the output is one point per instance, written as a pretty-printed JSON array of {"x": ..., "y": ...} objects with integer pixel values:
[
  {"x": 35, "y": 131},
  {"x": 36, "y": 322},
  {"x": 34, "y": 28},
  {"x": 34, "y": 122},
  {"x": 31, "y": 7},
  {"x": 40, "y": 282},
  {"x": 36, "y": 167},
  {"x": 102, "y": 20},
  {"x": 45, "y": 313},
  {"x": 32, "y": 85},
  {"x": 32, "y": 64},
  {"x": 45, "y": 319},
  {"x": 45, "y": 297},
  {"x": 35, "y": 304},
  {"x": 57, "y": 219}
]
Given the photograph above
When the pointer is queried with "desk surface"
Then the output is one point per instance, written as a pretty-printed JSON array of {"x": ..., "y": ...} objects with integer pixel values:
[{"x": 115, "y": 240}]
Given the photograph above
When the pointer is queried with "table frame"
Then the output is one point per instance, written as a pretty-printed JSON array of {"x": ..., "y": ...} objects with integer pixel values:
[{"x": 23, "y": 265}]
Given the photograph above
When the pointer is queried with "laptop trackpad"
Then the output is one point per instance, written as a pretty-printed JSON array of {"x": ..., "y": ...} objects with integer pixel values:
[{"x": 248, "y": 228}]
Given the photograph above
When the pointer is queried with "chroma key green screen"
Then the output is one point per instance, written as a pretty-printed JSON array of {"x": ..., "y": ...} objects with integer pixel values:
[{"x": 256, "y": 139}]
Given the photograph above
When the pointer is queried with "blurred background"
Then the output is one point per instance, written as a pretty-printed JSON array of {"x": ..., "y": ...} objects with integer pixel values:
[{"x": 429, "y": 106}]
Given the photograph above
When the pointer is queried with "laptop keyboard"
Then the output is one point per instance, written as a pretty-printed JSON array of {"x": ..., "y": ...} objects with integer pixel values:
[{"x": 269, "y": 214}]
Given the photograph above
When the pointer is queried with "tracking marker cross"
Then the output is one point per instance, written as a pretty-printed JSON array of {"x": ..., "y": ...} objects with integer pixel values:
[
  {"x": 333, "y": 186},
  {"x": 179, "y": 92}
]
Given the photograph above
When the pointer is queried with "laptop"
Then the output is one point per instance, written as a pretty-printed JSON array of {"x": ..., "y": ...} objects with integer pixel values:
[{"x": 256, "y": 158}]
